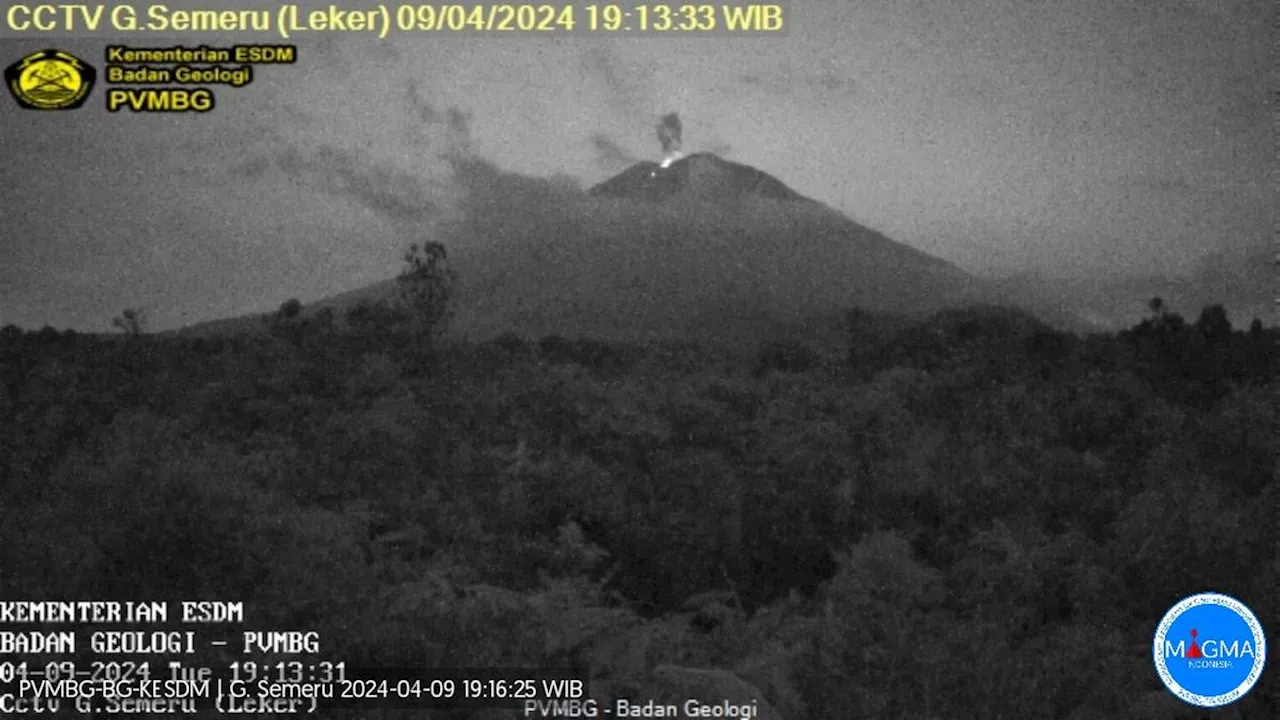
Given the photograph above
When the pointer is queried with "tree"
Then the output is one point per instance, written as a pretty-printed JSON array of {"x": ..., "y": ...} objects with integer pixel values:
[
  {"x": 131, "y": 322},
  {"x": 374, "y": 318},
  {"x": 287, "y": 322},
  {"x": 290, "y": 309},
  {"x": 786, "y": 356},
  {"x": 426, "y": 286},
  {"x": 1163, "y": 322},
  {"x": 1213, "y": 323}
]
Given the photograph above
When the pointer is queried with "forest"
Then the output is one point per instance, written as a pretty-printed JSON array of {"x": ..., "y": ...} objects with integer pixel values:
[{"x": 969, "y": 515}]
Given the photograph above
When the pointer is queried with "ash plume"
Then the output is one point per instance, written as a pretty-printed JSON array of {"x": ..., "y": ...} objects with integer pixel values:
[{"x": 669, "y": 134}]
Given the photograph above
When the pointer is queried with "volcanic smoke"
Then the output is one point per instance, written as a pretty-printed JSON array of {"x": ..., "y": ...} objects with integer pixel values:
[{"x": 669, "y": 132}]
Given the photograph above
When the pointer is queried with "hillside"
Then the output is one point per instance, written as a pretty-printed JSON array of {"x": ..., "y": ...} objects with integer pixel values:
[
  {"x": 689, "y": 266},
  {"x": 1245, "y": 281},
  {"x": 788, "y": 532},
  {"x": 705, "y": 250}
]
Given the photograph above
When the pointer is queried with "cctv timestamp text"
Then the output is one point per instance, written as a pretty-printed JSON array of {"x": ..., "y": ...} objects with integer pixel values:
[
  {"x": 701, "y": 18},
  {"x": 728, "y": 19}
]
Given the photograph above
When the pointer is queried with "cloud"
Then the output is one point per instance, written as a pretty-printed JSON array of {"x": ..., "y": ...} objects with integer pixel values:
[
  {"x": 381, "y": 186},
  {"x": 252, "y": 168},
  {"x": 459, "y": 127},
  {"x": 341, "y": 57},
  {"x": 471, "y": 199},
  {"x": 785, "y": 81},
  {"x": 718, "y": 147},
  {"x": 421, "y": 108},
  {"x": 629, "y": 87},
  {"x": 385, "y": 189},
  {"x": 1168, "y": 183},
  {"x": 632, "y": 98},
  {"x": 609, "y": 155}
]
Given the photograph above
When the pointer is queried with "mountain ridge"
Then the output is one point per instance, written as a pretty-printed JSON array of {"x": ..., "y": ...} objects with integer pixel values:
[
  {"x": 705, "y": 249},
  {"x": 701, "y": 174}
]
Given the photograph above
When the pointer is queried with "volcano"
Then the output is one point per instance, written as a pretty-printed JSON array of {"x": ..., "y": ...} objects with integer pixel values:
[
  {"x": 705, "y": 251},
  {"x": 701, "y": 175}
]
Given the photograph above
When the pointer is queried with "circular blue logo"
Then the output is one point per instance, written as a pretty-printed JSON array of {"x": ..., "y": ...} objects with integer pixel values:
[{"x": 1209, "y": 650}]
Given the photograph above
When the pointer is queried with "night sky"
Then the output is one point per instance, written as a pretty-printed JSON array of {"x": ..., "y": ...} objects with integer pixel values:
[{"x": 1090, "y": 137}]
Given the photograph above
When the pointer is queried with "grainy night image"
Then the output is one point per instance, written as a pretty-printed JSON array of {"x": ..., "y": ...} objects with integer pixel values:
[{"x": 906, "y": 360}]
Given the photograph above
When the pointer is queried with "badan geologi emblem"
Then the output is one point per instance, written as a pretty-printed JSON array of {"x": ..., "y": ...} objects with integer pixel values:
[{"x": 50, "y": 80}]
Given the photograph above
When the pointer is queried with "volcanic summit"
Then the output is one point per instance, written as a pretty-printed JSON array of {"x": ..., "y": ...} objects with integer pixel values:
[{"x": 701, "y": 175}]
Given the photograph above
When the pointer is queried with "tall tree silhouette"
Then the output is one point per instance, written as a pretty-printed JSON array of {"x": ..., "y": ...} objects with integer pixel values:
[
  {"x": 1214, "y": 324},
  {"x": 131, "y": 322},
  {"x": 426, "y": 287}
]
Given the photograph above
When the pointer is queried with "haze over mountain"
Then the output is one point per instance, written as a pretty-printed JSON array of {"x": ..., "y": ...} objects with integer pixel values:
[
  {"x": 694, "y": 247},
  {"x": 700, "y": 248},
  {"x": 697, "y": 248},
  {"x": 1246, "y": 281},
  {"x": 1074, "y": 140}
]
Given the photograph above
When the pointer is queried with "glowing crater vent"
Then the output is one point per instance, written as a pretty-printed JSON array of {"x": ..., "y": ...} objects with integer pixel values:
[{"x": 702, "y": 175}]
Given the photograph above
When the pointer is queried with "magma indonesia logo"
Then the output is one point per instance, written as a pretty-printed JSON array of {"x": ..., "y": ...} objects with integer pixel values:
[{"x": 1209, "y": 650}]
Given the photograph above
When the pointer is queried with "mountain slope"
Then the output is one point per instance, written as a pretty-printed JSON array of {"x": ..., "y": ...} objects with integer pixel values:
[
  {"x": 692, "y": 268},
  {"x": 704, "y": 250}
]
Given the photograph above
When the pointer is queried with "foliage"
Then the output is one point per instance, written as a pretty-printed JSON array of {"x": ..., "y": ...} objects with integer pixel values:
[
  {"x": 376, "y": 320},
  {"x": 978, "y": 516},
  {"x": 290, "y": 309},
  {"x": 426, "y": 286},
  {"x": 131, "y": 321},
  {"x": 787, "y": 356}
]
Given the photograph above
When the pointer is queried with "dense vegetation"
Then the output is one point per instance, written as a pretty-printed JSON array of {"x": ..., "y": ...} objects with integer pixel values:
[{"x": 970, "y": 516}]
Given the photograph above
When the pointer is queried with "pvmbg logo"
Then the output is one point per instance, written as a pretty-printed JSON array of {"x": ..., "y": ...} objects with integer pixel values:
[
  {"x": 1209, "y": 650},
  {"x": 50, "y": 80}
]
